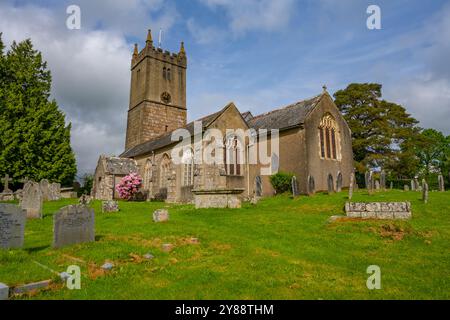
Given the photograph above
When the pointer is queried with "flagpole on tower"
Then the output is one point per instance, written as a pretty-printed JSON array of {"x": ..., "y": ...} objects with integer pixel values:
[{"x": 160, "y": 37}]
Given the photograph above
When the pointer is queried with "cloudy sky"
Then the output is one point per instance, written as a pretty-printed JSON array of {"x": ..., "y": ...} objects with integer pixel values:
[{"x": 261, "y": 54}]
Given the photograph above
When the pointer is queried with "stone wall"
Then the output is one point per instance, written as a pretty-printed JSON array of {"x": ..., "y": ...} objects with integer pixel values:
[{"x": 378, "y": 210}]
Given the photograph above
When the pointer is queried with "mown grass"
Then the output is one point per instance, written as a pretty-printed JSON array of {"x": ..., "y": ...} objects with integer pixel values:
[{"x": 282, "y": 248}]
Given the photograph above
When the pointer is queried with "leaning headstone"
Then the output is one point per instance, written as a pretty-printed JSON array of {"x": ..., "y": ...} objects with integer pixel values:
[
  {"x": 161, "y": 215},
  {"x": 406, "y": 187},
  {"x": 383, "y": 180},
  {"x": 294, "y": 186},
  {"x": 311, "y": 186},
  {"x": 12, "y": 226},
  {"x": 258, "y": 186},
  {"x": 110, "y": 206},
  {"x": 367, "y": 180},
  {"x": 424, "y": 191},
  {"x": 44, "y": 189},
  {"x": 32, "y": 200},
  {"x": 73, "y": 224},
  {"x": 54, "y": 191},
  {"x": 441, "y": 183},
  {"x": 350, "y": 188}
]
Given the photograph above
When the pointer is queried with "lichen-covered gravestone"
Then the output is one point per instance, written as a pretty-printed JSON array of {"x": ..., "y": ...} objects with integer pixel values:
[
  {"x": 73, "y": 224},
  {"x": 160, "y": 215},
  {"x": 44, "y": 184},
  {"x": 32, "y": 200},
  {"x": 110, "y": 206},
  {"x": 12, "y": 226},
  {"x": 424, "y": 191},
  {"x": 54, "y": 191},
  {"x": 441, "y": 183},
  {"x": 350, "y": 188}
]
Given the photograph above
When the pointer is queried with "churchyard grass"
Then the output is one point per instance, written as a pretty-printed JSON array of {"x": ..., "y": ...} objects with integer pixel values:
[{"x": 281, "y": 248}]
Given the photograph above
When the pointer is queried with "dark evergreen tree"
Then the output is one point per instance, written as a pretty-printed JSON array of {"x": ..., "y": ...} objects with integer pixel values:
[{"x": 34, "y": 139}]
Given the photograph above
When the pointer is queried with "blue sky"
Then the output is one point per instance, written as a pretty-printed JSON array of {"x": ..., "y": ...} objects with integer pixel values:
[{"x": 260, "y": 54}]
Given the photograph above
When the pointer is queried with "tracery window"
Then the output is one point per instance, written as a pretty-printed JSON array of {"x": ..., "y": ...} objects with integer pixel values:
[
  {"x": 233, "y": 155},
  {"x": 329, "y": 138},
  {"x": 188, "y": 168},
  {"x": 164, "y": 171}
]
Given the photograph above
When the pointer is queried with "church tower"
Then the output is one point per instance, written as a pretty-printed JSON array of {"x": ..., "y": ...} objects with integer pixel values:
[{"x": 157, "y": 94}]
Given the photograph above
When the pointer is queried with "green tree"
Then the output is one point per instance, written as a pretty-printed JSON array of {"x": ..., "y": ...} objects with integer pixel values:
[
  {"x": 432, "y": 149},
  {"x": 34, "y": 139},
  {"x": 379, "y": 127}
]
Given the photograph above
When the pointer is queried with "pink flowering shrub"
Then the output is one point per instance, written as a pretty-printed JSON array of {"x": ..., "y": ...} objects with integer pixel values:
[{"x": 129, "y": 185}]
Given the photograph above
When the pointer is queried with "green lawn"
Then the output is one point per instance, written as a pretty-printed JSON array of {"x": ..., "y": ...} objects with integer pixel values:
[{"x": 282, "y": 248}]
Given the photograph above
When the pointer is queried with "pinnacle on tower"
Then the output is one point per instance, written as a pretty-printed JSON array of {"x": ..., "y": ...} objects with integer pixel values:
[
  {"x": 136, "y": 50},
  {"x": 182, "y": 51},
  {"x": 149, "y": 40}
]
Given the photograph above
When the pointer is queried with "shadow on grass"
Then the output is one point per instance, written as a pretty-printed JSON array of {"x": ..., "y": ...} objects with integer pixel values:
[
  {"x": 36, "y": 249},
  {"x": 99, "y": 237}
]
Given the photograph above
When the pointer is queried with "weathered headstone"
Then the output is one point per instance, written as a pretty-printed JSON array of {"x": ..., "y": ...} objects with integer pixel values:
[
  {"x": 367, "y": 180},
  {"x": 406, "y": 187},
  {"x": 6, "y": 180},
  {"x": 383, "y": 180},
  {"x": 258, "y": 186},
  {"x": 371, "y": 183},
  {"x": 44, "y": 189},
  {"x": 311, "y": 186},
  {"x": 294, "y": 186},
  {"x": 110, "y": 206},
  {"x": 32, "y": 200},
  {"x": 377, "y": 185},
  {"x": 416, "y": 184},
  {"x": 161, "y": 215},
  {"x": 54, "y": 191},
  {"x": 330, "y": 184},
  {"x": 85, "y": 200},
  {"x": 350, "y": 188},
  {"x": 441, "y": 183},
  {"x": 339, "y": 182},
  {"x": 391, "y": 186},
  {"x": 378, "y": 210},
  {"x": 73, "y": 224},
  {"x": 18, "y": 194},
  {"x": 413, "y": 185},
  {"x": 424, "y": 191},
  {"x": 12, "y": 226}
]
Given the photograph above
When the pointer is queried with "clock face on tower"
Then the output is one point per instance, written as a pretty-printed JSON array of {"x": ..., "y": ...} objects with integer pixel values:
[{"x": 166, "y": 98}]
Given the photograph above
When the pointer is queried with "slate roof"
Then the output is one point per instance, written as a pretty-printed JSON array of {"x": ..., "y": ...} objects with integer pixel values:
[
  {"x": 120, "y": 166},
  {"x": 284, "y": 118},
  {"x": 166, "y": 139}
]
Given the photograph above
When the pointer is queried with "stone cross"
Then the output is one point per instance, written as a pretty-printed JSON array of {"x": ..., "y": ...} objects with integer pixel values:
[
  {"x": 6, "y": 180},
  {"x": 424, "y": 191},
  {"x": 383, "y": 180},
  {"x": 350, "y": 188},
  {"x": 441, "y": 183}
]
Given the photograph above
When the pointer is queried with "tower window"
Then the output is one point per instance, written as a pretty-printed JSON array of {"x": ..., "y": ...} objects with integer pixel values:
[
  {"x": 164, "y": 73},
  {"x": 168, "y": 74}
]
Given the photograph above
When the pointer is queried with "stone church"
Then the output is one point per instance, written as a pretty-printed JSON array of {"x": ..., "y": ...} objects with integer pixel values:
[{"x": 314, "y": 141}]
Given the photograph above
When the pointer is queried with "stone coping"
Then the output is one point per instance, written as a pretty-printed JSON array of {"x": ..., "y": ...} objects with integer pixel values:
[
  {"x": 378, "y": 210},
  {"x": 218, "y": 191}
]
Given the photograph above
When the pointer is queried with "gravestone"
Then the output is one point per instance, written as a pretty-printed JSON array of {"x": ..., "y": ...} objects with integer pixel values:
[
  {"x": 406, "y": 187},
  {"x": 339, "y": 182},
  {"x": 6, "y": 180},
  {"x": 371, "y": 183},
  {"x": 350, "y": 188},
  {"x": 258, "y": 186},
  {"x": 311, "y": 185},
  {"x": 383, "y": 180},
  {"x": 160, "y": 215},
  {"x": 32, "y": 200},
  {"x": 110, "y": 206},
  {"x": 73, "y": 224},
  {"x": 85, "y": 200},
  {"x": 391, "y": 186},
  {"x": 416, "y": 184},
  {"x": 44, "y": 189},
  {"x": 330, "y": 184},
  {"x": 377, "y": 185},
  {"x": 441, "y": 183},
  {"x": 18, "y": 194},
  {"x": 294, "y": 186},
  {"x": 378, "y": 210},
  {"x": 12, "y": 226},
  {"x": 54, "y": 191},
  {"x": 413, "y": 185},
  {"x": 424, "y": 191},
  {"x": 367, "y": 180}
]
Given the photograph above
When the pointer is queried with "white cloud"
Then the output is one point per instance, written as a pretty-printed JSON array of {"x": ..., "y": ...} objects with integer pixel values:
[{"x": 255, "y": 15}]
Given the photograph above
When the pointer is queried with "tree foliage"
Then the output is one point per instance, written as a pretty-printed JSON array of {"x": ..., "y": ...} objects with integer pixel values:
[
  {"x": 379, "y": 127},
  {"x": 34, "y": 139}
]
